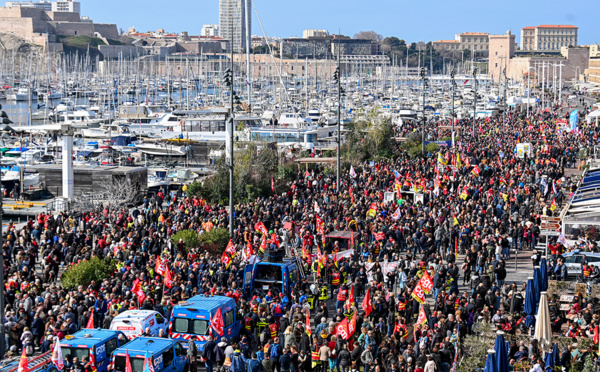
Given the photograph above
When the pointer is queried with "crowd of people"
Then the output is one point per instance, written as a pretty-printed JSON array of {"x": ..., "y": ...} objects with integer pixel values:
[{"x": 453, "y": 215}]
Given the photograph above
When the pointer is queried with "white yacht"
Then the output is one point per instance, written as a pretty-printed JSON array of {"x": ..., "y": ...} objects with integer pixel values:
[{"x": 21, "y": 94}]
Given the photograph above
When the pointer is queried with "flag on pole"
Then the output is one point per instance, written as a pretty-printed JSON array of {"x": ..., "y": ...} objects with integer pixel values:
[
  {"x": 308, "y": 331},
  {"x": 422, "y": 318},
  {"x": 149, "y": 363},
  {"x": 160, "y": 266},
  {"x": 442, "y": 159},
  {"x": 23, "y": 365},
  {"x": 396, "y": 215},
  {"x": 168, "y": 278},
  {"x": 127, "y": 362},
  {"x": 553, "y": 205},
  {"x": 57, "y": 356},
  {"x": 217, "y": 322},
  {"x": 90, "y": 322},
  {"x": 366, "y": 304},
  {"x": 352, "y": 172},
  {"x": 272, "y": 184}
]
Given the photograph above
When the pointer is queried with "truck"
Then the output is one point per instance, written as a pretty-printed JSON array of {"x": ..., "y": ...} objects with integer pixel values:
[
  {"x": 275, "y": 274},
  {"x": 163, "y": 353},
  {"x": 97, "y": 343},
  {"x": 192, "y": 318}
]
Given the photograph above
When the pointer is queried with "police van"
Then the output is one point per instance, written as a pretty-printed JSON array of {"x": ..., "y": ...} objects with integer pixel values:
[
  {"x": 192, "y": 318},
  {"x": 95, "y": 343},
  {"x": 163, "y": 353},
  {"x": 275, "y": 277},
  {"x": 134, "y": 322}
]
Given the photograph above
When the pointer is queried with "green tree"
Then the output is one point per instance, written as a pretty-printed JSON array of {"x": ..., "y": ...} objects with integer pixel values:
[
  {"x": 188, "y": 237},
  {"x": 215, "y": 240},
  {"x": 86, "y": 271}
]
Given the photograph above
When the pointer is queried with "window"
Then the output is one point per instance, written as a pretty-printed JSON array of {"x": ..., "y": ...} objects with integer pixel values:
[
  {"x": 137, "y": 364},
  {"x": 159, "y": 319},
  {"x": 229, "y": 318},
  {"x": 167, "y": 358},
  {"x": 76, "y": 352},
  {"x": 294, "y": 276},
  {"x": 179, "y": 350},
  {"x": 111, "y": 345},
  {"x": 190, "y": 326},
  {"x": 573, "y": 259}
]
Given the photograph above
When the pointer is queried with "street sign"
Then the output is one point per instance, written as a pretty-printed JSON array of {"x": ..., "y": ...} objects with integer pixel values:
[
  {"x": 550, "y": 219},
  {"x": 550, "y": 233},
  {"x": 550, "y": 226}
]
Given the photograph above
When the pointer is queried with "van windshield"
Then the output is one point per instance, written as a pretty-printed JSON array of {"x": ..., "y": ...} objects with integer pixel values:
[
  {"x": 137, "y": 364},
  {"x": 190, "y": 326},
  {"x": 75, "y": 352}
]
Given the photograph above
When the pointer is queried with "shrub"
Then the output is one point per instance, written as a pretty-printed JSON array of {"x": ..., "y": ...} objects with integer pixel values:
[
  {"x": 215, "y": 240},
  {"x": 194, "y": 189},
  {"x": 86, "y": 271},
  {"x": 189, "y": 237}
]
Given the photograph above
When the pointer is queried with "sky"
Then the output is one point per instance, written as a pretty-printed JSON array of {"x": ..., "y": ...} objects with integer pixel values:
[{"x": 416, "y": 20}]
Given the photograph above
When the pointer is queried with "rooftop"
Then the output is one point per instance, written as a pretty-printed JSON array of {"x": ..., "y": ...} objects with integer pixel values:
[
  {"x": 547, "y": 26},
  {"x": 447, "y": 41},
  {"x": 475, "y": 33}
]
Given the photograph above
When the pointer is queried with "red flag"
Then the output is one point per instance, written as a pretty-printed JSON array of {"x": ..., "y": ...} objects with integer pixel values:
[
  {"x": 379, "y": 236},
  {"x": 341, "y": 330},
  {"x": 418, "y": 294},
  {"x": 160, "y": 266},
  {"x": 137, "y": 289},
  {"x": 352, "y": 325},
  {"x": 352, "y": 238},
  {"x": 90, "y": 322},
  {"x": 263, "y": 244},
  {"x": 596, "y": 336},
  {"x": 249, "y": 249},
  {"x": 426, "y": 282},
  {"x": 306, "y": 174},
  {"x": 366, "y": 304},
  {"x": 127, "y": 362},
  {"x": 168, "y": 278},
  {"x": 23, "y": 365},
  {"x": 230, "y": 249},
  {"x": 260, "y": 227},
  {"x": 217, "y": 322},
  {"x": 225, "y": 260},
  {"x": 272, "y": 185},
  {"x": 308, "y": 331},
  {"x": 422, "y": 318},
  {"x": 351, "y": 298},
  {"x": 275, "y": 239}
]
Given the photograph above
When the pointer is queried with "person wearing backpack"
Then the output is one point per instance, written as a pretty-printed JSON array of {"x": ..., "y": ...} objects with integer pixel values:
[
  {"x": 277, "y": 309},
  {"x": 275, "y": 352},
  {"x": 238, "y": 364}
]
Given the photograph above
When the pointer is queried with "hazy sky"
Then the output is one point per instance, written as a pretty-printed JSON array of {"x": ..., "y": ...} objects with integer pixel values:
[{"x": 415, "y": 20}]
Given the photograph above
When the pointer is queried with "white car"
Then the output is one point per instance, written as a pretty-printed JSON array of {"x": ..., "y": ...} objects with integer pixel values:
[
  {"x": 573, "y": 261},
  {"x": 133, "y": 323}
]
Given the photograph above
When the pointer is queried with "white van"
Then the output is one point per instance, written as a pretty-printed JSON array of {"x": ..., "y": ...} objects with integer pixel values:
[{"x": 133, "y": 323}]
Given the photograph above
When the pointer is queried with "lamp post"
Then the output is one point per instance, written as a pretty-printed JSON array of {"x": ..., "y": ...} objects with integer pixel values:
[
  {"x": 338, "y": 81},
  {"x": 453, "y": 113},
  {"x": 475, "y": 101},
  {"x": 424, "y": 80},
  {"x": 234, "y": 99}
]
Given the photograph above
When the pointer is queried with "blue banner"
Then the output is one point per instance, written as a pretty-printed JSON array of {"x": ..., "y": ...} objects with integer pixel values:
[
  {"x": 573, "y": 119},
  {"x": 440, "y": 143}
]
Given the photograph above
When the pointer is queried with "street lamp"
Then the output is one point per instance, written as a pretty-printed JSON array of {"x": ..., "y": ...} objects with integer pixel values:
[
  {"x": 425, "y": 85},
  {"x": 234, "y": 99},
  {"x": 475, "y": 101},
  {"x": 453, "y": 113},
  {"x": 338, "y": 81}
]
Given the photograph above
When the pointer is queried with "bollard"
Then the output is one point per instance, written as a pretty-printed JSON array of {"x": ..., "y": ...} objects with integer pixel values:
[{"x": 516, "y": 256}]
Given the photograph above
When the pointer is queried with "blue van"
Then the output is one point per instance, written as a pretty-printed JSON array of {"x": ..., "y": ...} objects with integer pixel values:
[
  {"x": 99, "y": 342},
  {"x": 192, "y": 318},
  {"x": 274, "y": 277},
  {"x": 165, "y": 355}
]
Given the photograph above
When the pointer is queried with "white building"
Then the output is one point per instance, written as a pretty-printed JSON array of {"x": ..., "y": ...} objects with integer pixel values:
[
  {"x": 548, "y": 37},
  {"x": 210, "y": 30},
  {"x": 314, "y": 33},
  {"x": 45, "y": 5},
  {"x": 66, "y": 6},
  {"x": 232, "y": 19}
]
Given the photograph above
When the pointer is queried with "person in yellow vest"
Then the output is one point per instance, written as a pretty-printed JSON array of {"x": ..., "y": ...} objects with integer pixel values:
[
  {"x": 342, "y": 294},
  {"x": 315, "y": 355},
  {"x": 335, "y": 280}
]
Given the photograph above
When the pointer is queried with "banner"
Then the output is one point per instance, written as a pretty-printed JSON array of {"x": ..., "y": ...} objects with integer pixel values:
[
  {"x": 426, "y": 283},
  {"x": 386, "y": 267},
  {"x": 260, "y": 227},
  {"x": 422, "y": 318},
  {"x": 418, "y": 294},
  {"x": 573, "y": 119},
  {"x": 341, "y": 330}
]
